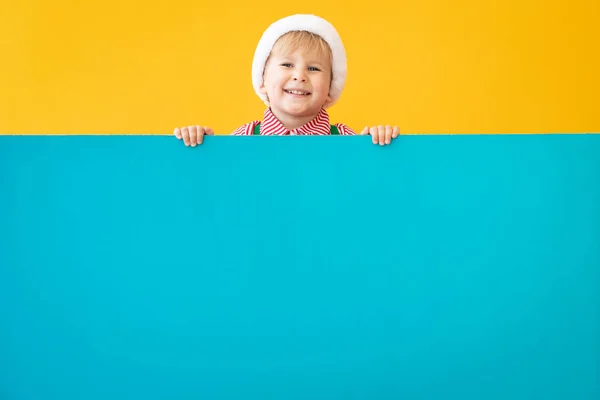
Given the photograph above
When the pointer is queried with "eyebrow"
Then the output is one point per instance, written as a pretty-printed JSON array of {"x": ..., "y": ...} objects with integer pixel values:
[
  {"x": 319, "y": 64},
  {"x": 285, "y": 58}
]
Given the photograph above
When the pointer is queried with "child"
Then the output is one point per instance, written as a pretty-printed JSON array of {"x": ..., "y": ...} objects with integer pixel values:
[{"x": 299, "y": 70}]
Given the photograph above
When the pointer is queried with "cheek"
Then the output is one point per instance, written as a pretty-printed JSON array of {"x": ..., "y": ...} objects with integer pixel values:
[
  {"x": 322, "y": 83},
  {"x": 275, "y": 80}
]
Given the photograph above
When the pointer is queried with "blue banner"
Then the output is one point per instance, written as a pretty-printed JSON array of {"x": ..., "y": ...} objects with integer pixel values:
[{"x": 439, "y": 267}]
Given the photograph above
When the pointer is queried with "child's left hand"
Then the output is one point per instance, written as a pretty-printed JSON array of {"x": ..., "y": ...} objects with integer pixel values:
[{"x": 382, "y": 134}]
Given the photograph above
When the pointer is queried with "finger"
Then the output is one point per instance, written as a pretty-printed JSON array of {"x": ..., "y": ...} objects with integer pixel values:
[
  {"x": 199, "y": 134},
  {"x": 381, "y": 133},
  {"x": 388, "y": 134},
  {"x": 208, "y": 131},
  {"x": 365, "y": 131},
  {"x": 185, "y": 135},
  {"x": 395, "y": 132},
  {"x": 193, "y": 132},
  {"x": 374, "y": 135},
  {"x": 177, "y": 133}
]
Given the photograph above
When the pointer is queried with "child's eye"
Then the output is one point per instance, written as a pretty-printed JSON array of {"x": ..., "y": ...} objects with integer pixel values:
[
  {"x": 288, "y": 65},
  {"x": 313, "y": 68}
]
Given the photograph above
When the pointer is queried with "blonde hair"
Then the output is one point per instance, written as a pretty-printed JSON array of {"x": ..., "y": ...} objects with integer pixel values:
[{"x": 294, "y": 40}]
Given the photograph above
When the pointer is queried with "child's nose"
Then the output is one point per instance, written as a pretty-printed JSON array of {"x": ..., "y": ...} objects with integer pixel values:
[{"x": 299, "y": 75}]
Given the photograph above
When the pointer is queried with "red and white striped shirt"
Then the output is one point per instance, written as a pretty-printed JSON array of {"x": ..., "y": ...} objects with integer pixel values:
[{"x": 270, "y": 125}]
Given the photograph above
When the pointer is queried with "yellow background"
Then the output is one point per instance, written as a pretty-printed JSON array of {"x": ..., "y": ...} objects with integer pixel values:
[{"x": 429, "y": 66}]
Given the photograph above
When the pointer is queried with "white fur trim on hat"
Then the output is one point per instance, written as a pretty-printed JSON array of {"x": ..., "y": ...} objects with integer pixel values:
[{"x": 301, "y": 22}]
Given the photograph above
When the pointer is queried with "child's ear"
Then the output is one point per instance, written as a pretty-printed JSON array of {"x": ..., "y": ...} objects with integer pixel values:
[
  {"x": 262, "y": 89},
  {"x": 328, "y": 101}
]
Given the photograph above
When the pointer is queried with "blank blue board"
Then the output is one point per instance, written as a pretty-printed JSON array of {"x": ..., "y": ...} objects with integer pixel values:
[{"x": 440, "y": 267}]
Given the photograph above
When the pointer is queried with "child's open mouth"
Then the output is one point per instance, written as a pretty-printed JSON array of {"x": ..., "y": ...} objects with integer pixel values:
[{"x": 297, "y": 92}]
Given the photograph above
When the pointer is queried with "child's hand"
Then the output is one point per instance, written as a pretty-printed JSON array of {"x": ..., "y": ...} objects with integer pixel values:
[
  {"x": 193, "y": 134},
  {"x": 382, "y": 134}
]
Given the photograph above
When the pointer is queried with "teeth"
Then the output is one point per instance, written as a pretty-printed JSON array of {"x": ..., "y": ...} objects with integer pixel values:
[{"x": 296, "y": 92}]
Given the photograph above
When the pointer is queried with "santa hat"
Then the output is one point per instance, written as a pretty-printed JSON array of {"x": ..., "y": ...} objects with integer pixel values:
[{"x": 301, "y": 22}]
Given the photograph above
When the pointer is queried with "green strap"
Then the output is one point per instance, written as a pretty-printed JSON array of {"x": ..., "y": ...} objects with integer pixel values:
[{"x": 333, "y": 131}]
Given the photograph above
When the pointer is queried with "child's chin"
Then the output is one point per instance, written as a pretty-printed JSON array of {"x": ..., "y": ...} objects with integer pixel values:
[
  {"x": 296, "y": 107},
  {"x": 299, "y": 113}
]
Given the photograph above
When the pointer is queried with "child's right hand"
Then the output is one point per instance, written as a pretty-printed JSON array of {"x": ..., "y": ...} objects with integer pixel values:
[{"x": 193, "y": 134}]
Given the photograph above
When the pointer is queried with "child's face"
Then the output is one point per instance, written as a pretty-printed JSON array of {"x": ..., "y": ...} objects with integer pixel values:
[{"x": 297, "y": 83}]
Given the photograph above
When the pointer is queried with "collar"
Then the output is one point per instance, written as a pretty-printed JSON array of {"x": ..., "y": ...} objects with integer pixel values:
[{"x": 319, "y": 125}]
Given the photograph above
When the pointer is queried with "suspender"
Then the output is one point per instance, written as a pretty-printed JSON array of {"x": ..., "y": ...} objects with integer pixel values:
[{"x": 333, "y": 131}]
